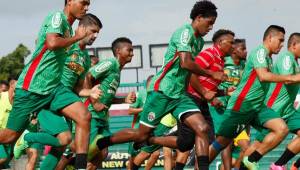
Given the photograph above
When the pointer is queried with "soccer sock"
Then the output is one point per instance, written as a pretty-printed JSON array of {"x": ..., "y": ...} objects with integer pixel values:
[
  {"x": 285, "y": 157},
  {"x": 254, "y": 157},
  {"x": 203, "y": 162},
  {"x": 135, "y": 167},
  {"x": 217, "y": 146},
  {"x": 104, "y": 142},
  {"x": 81, "y": 161},
  {"x": 51, "y": 159},
  {"x": 42, "y": 138},
  {"x": 297, "y": 163},
  {"x": 179, "y": 166}
]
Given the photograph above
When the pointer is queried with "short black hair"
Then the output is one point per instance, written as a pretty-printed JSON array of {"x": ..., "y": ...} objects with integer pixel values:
[
  {"x": 204, "y": 8},
  {"x": 90, "y": 19},
  {"x": 294, "y": 38},
  {"x": 272, "y": 29},
  {"x": 220, "y": 33},
  {"x": 117, "y": 42},
  {"x": 238, "y": 41},
  {"x": 66, "y": 1}
]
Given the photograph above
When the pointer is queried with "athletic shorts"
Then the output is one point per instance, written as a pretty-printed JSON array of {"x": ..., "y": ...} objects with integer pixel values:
[
  {"x": 26, "y": 102},
  {"x": 293, "y": 123},
  {"x": 52, "y": 123},
  {"x": 157, "y": 105},
  {"x": 235, "y": 122}
]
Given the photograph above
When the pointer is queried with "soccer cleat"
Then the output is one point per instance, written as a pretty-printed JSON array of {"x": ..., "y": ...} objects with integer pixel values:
[
  {"x": 277, "y": 167},
  {"x": 250, "y": 165},
  {"x": 93, "y": 148},
  {"x": 20, "y": 146},
  {"x": 293, "y": 167}
]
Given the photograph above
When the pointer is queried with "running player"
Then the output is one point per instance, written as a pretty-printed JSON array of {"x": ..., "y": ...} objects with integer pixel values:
[
  {"x": 39, "y": 83},
  {"x": 167, "y": 89},
  {"x": 245, "y": 106},
  {"x": 281, "y": 97}
]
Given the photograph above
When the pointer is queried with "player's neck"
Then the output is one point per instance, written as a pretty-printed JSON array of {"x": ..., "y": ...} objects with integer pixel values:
[
  {"x": 235, "y": 59},
  {"x": 266, "y": 45},
  {"x": 82, "y": 46},
  {"x": 71, "y": 19},
  {"x": 293, "y": 52}
]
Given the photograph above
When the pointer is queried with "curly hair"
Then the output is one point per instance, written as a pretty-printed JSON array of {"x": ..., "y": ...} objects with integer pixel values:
[{"x": 204, "y": 8}]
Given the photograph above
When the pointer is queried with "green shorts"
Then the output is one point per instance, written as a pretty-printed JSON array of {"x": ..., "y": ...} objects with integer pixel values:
[
  {"x": 26, "y": 102},
  {"x": 293, "y": 123},
  {"x": 217, "y": 116},
  {"x": 157, "y": 105},
  {"x": 52, "y": 123},
  {"x": 235, "y": 122},
  {"x": 160, "y": 130}
]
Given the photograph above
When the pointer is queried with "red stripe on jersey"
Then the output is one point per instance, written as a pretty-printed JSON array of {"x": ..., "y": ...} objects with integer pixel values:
[
  {"x": 244, "y": 92},
  {"x": 134, "y": 121},
  {"x": 32, "y": 68},
  {"x": 87, "y": 102},
  {"x": 166, "y": 69},
  {"x": 274, "y": 94}
]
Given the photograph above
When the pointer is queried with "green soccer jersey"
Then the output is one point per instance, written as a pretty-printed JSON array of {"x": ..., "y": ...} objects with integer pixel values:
[
  {"x": 234, "y": 72},
  {"x": 171, "y": 79},
  {"x": 107, "y": 73},
  {"x": 43, "y": 73},
  {"x": 281, "y": 97},
  {"x": 76, "y": 66},
  {"x": 250, "y": 92},
  {"x": 139, "y": 102}
]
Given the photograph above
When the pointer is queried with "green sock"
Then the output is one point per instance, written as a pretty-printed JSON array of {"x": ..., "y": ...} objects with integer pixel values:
[
  {"x": 42, "y": 138},
  {"x": 51, "y": 159}
]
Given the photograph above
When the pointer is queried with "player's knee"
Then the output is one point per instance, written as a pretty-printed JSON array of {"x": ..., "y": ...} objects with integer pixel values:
[
  {"x": 85, "y": 117},
  {"x": 202, "y": 128},
  {"x": 65, "y": 138}
]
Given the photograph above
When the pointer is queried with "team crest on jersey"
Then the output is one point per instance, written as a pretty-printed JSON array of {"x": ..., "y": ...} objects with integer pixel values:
[
  {"x": 77, "y": 68},
  {"x": 151, "y": 116},
  {"x": 56, "y": 20},
  {"x": 261, "y": 56},
  {"x": 287, "y": 63},
  {"x": 185, "y": 37}
]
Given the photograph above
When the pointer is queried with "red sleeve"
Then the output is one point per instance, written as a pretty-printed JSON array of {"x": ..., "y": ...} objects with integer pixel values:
[{"x": 204, "y": 59}]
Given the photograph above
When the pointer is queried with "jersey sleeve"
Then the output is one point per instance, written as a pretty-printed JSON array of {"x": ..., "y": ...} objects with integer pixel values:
[
  {"x": 183, "y": 40},
  {"x": 285, "y": 66},
  {"x": 101, "y": 69},
  {"x": 259, "y": 59},
  {"x": 55, "y": 23}
]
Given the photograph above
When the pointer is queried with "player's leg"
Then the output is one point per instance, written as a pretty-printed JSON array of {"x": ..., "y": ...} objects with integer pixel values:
[
  {"x": 96, "y": 162},
  {"x": 181, "y": 159},
  {"x": 243, "y": 143},
  {"x": 226, "y": 158},
  {"x": 277, "y": 132},
  {"x": 152, "y": 160},
  {"x": 33, "y": 155},
  {"x": 168, "y": 158},
  {"x": 139, "y": 159},
  {"x": 156, "y": 106},
  {"x": 293, "y": 147}
]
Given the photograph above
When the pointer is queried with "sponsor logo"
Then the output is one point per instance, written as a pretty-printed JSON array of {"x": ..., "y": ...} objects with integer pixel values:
[
  {"x": 261, "y": 56},
  {"x": 287, "y": 63},
  {"x": 56, "y": 20},
  {"x": 185, "y": 37}
]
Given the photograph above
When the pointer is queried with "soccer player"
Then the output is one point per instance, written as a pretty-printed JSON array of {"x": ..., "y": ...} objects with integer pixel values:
[
  {"x": 245, "y": 106},
  {"x": 39, "y": 83},
  {"x": 76, "y": 66},
  {"x": 107, "y": 74},
  {"x": 3, "y": 86},
  {"x": 281, "y": 97},
  {"x": 167, "y": 89},
  {"x": 6, "y": 101}
]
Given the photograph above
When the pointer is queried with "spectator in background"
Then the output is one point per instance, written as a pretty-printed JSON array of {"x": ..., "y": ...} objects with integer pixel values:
[
  {"x": 3, "y": 86},
  {"x": 94, "y": 60}
]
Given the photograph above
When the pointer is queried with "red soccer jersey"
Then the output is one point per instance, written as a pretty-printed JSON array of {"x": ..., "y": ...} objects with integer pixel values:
[{"x": 212, "y": 59}]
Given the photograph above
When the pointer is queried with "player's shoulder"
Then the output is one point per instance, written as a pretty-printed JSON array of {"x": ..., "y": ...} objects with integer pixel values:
[
  {"x": 259, "y": 53},
  {"x": 56, "y": 17},
  {"x": 184, "y": 32}
]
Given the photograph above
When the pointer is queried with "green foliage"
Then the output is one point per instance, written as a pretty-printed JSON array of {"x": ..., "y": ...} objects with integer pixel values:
[{"x": 12, "y": 64}]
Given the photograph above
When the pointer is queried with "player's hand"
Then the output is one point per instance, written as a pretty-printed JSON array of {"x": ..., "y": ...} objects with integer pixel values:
[
  {"x": 81, "y": 32},
  {"x": 209, "y": 95},
  {"x": 130, "y": 98},
  {"x": 230, "y": 90},
  {"x": 219, "y": 76},
  {"x": 96, "y": 93},
  {"x": 216, "y": 103},
  {"x": 99, "y": 106},
  {"x": 292, "y": 79}
]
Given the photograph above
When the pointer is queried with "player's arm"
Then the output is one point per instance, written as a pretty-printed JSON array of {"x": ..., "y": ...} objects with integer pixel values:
[
  {"x": 94, "y": 92},
  {"x": 134, "y": 111},
  {"x": 97, "y": 105},
  {"x": 208, "y": 95},
  {"x": 266, "y": 76},
  {"x": 186, "y": 62},
  {"x": 55, "y": 40}
]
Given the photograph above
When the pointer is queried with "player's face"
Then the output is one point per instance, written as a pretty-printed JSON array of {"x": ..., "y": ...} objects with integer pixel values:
[
  {"x": 92, "y": 31},
  {"x": 79, "y": 8},
  {"x": 226, "y": 44},
  {"x": 276, "y": 42},
  {"x": 126, "y": 52},
  {"x": 205, "y": 24},
  {"x": 240, "y": 50},
  {"x": 297, "y": 49}
]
